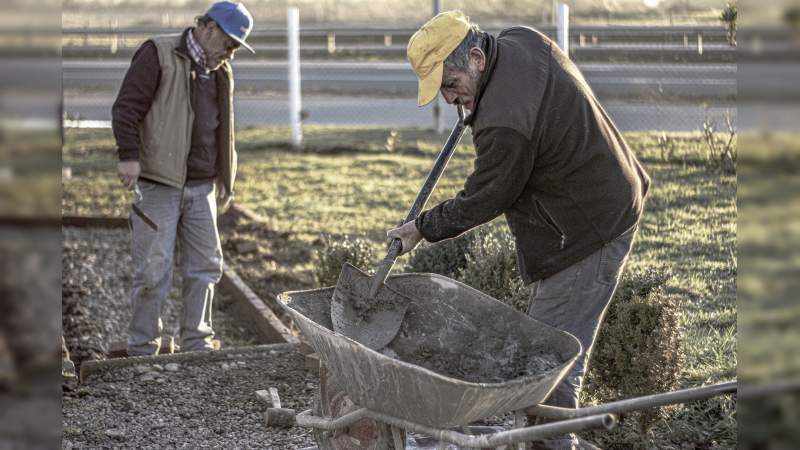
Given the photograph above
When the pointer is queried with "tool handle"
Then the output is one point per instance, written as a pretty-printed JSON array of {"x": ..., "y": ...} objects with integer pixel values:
[{"x": 383, "y": 269}]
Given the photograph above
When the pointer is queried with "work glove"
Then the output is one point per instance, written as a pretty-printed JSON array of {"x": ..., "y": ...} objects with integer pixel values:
[{"x": 408, "y": 234}]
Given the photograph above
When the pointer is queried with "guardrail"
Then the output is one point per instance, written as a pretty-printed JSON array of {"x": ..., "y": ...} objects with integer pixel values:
[{"x": 590, "y": 43}]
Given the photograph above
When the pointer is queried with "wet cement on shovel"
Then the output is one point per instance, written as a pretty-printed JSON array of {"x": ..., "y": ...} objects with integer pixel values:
[{"x": 373, "y": 322}]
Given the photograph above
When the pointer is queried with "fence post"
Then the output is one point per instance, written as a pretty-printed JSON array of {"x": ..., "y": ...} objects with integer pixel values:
[
  {"x": 114, "y": 46},
  {"x": 563, "y": 27},
  {"x": 700, "y": 43},
  {"x": 293, "y": 29},
  {"x": 331, "y": 42}
]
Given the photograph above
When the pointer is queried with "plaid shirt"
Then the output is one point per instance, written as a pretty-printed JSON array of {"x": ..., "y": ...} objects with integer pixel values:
[{"x": 197, "y": 53}]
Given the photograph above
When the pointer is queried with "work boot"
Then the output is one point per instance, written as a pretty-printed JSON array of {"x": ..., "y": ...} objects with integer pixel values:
[
  {"x": 67, "y": 366},
  {"x": 567, "y": 442},
  {"x": 586, "y": 445}
]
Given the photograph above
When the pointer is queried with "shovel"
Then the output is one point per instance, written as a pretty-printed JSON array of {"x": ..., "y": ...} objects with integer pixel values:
[{"x": 363, "y": 307}]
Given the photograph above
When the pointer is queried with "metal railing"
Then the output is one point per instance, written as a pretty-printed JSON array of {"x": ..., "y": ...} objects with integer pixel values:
[{"x": 595, "y": 43}]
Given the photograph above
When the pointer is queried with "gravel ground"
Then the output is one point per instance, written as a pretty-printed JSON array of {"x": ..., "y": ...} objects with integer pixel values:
[
  {"x": 206, "y": 401},
  {"x": 96, "y": 309},
  {"x": 203, "y": 403}
]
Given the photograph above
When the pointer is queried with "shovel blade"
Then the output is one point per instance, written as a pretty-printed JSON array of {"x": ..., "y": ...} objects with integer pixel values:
[{"x": 373, "y": 322}]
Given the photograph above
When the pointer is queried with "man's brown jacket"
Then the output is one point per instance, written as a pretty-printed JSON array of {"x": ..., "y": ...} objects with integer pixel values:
[{"x": 547, "y": 156}]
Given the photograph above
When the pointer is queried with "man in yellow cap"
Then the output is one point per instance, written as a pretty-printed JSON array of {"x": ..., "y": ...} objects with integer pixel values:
[{"x": 550, "y": 159}]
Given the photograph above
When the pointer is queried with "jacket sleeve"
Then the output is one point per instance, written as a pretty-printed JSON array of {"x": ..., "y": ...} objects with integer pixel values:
[
  {"x": 134, "y": 100},
  {"x": 503, "y": 164}
]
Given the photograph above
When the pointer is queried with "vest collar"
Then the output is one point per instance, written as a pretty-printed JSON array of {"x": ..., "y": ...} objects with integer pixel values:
[{"x": 182, "y": 49}]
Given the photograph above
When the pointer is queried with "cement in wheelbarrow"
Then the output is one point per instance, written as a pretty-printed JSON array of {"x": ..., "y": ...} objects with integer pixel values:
[{"x": 460, "y": 355}]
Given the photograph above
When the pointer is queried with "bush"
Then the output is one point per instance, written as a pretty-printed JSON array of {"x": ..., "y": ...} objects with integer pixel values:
[
  {"x": 446, "y": 258},
  {"x": 484, "y": 259},
  {"x": 491, "y": 267},
  {"x": 335, "y": 252},
  {"x": 638, "y": 349}
]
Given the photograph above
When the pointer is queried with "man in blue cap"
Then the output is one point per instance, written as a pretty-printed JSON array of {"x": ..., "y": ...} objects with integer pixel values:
[{"x": 173, "y": 124}]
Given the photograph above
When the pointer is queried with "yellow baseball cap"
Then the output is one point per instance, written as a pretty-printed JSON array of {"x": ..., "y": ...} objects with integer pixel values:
[{"x": 430, "y": 46}]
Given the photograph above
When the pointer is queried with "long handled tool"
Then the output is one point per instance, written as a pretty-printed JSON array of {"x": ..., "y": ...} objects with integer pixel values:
[
  {"x": 363, "y": 308},
  {"x": 136, "y": 209}
]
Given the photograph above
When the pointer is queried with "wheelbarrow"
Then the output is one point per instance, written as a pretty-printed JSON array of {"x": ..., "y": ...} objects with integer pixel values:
[{"x": 460, "y": 356}]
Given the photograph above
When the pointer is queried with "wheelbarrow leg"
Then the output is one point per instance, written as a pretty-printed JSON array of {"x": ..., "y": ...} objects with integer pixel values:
[{"x": 520, "y": 421}]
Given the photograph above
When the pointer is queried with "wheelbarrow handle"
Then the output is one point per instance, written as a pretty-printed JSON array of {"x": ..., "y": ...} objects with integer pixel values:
[{"x": 396, "y": 246}]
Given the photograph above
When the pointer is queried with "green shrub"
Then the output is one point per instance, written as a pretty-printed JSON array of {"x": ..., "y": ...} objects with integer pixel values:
[
  {"x": 335, "y": 252},
  {"x": 446, "y": 258},
  {"x": 484, "y": 259},
  {"x": 638, "y": 348},
  {"x": 491, "y": 267}
]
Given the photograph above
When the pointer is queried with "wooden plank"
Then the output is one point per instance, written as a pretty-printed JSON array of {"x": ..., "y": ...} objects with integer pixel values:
[
  {"x": 94, "y": 221},
  {"x": 119, "y": 349},
  {"x": 89, "y": 367},
  {"x": 30, "y": 221},
  {"x": 250, "y": 307}
]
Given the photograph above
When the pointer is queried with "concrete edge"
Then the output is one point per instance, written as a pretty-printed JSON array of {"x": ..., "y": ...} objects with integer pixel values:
[
  {"x": 250, "y": 307},
  {"x": 90, "y": 367}
]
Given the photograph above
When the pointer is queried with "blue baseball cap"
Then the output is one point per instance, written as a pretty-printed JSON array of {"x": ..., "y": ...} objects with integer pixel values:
[{"x": 234, "y": 19}]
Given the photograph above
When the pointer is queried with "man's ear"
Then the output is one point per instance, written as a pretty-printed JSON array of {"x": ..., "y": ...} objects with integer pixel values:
[{"x": 477, "y": 56}]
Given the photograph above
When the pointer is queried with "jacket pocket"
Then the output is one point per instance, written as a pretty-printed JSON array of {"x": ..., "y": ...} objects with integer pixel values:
[{"x": 551, "y": 223}]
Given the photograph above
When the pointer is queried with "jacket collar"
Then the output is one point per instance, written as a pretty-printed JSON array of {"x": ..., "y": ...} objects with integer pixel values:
[{"x": 490, "y": 49}]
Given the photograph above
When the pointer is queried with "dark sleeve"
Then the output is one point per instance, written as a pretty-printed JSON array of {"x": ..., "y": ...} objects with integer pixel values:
[
  {"x": 503, "y": 164},
  {"x": 134, "y": 100}
]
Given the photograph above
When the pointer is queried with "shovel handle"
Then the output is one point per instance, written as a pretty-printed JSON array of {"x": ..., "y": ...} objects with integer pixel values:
[{"x": 383, "y": 269}]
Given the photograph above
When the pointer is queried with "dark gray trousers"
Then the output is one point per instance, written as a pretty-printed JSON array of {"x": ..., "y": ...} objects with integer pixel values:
[{"x": 575, "y": 300}]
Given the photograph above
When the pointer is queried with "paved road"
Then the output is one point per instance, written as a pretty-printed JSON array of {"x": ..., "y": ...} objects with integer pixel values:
[
  {"x": 400, "y": 112},
  {"x": 756, "y": 83},
  {"x": 695, "y": 81}
]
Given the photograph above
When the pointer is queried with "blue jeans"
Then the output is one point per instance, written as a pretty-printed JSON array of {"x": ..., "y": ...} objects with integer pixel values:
[
  {"x": 575, "y": 300},
  {"x": 186, "y": 217}
]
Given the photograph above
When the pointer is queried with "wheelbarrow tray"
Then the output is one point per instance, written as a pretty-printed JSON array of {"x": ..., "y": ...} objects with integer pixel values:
[{"x": 448, "y": 319}]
